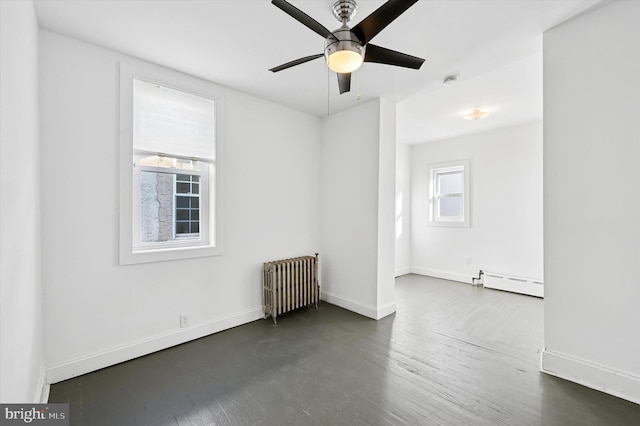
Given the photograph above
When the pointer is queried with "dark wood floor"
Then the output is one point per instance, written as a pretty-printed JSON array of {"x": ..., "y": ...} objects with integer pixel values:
[{"x": 453, "y": 354}]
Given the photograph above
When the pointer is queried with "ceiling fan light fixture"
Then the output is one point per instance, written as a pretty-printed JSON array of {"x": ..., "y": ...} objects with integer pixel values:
[
  {"x": 344, "y": 61},
  {"x": 343, "y": 51},
  {"x": 476, "y": 114}
]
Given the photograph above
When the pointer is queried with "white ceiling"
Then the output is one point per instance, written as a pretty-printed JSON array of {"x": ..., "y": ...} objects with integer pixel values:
[{"x": 494, "y": 45}]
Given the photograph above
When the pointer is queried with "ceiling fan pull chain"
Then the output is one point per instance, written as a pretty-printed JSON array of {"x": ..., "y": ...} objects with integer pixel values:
[{"x": 328, "y": 92}]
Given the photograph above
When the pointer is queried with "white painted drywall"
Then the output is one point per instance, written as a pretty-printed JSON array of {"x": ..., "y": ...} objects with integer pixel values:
[
  {"x": 386, "y": 298},
  {"x": 357, "y": 181},
  {"x": 403, "y": 210},
  {"x": 21, "y": 353},
  {"x": 97, "y": 313},
  {"x": 506, "y": 206},
  {"x": 592, "y": 199}
]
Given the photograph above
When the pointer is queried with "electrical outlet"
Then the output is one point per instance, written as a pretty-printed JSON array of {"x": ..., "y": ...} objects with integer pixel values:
[
  {"x": 467, "y": 260},
  {"x": 184, "y": 320}
]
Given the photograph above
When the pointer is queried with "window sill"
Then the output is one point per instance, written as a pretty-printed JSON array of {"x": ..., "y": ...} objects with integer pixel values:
[
  {"x": 166, "y": 254},
  {"x": 449, "y": 224}
]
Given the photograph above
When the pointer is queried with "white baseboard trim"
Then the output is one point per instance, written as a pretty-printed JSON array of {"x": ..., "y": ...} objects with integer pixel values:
[
  {"x": 368, "y": 311},
  {"x": 596, "y": 376},
  {"x": 116, "y": 355},
  {"x": 42, "y": 388},
  {"x": 403, "y": 271},
  {"x": 44, "y": 398},
  {"x": 386, "y": 310},
  {"x": 451, "y": 276}
]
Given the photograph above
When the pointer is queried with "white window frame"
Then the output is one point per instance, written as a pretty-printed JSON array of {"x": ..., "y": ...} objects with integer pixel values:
[
  {"x": 435, "y": 170},
  {"x": 210, "y": 243}
]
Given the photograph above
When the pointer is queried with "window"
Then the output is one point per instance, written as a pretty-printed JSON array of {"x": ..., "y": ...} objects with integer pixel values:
[
  {"x": 449, "y": 194},
  {"x": 187, "y": 193},
  {"x": 170, "y": 166}
]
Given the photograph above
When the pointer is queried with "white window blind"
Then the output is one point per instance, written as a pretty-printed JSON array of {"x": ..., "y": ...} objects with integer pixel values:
[{"x": 172, "y": 122}]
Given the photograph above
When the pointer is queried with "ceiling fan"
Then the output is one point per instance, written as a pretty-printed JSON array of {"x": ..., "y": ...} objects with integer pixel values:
[{"x": 347, "y": 48}]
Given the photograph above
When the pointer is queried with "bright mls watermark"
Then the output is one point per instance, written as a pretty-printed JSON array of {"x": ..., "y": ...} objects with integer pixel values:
[{"x": 34, "y": 414}]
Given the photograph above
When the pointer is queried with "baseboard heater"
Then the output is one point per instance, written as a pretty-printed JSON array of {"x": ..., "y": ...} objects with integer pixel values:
[
  {"x": 289, "y": 284},
  {"x": 514, "y": 284}
]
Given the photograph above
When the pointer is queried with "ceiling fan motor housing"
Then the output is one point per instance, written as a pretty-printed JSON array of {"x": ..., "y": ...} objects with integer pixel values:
[{"x": 343, "y": 40}]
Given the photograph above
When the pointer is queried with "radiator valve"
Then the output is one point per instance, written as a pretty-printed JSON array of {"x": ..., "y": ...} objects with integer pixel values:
[{"x": 479, "y": 280}]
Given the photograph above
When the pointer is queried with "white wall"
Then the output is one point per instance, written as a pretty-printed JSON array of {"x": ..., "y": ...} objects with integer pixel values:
[
  {"x": 592, "y": 200},
  {"x": 506, "y": 233},
  {"x": 21, "y": 354},
  {"x": 386, "y": 286},
  {"x": 97, "y": 313},
  {"x": 403, "y": 210},
  {"x": 357, "y": 217}
]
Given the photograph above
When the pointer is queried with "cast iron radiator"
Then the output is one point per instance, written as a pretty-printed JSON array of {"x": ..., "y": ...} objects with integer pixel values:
[{"x": 289, "y": 284}]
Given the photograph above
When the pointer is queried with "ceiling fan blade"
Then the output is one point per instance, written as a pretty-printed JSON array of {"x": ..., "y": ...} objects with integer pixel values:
[
  {"x": 302, "y": 17},
  {"x": 370, "y": 26},
  {"x": 296, "y": 62},
  {"x": 382, "y": 55},
  {"x": 344, "y": 82}
]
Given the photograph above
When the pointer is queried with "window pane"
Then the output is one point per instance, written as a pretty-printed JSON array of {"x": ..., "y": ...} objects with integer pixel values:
[
  {"x": 451, "y": 183},
  {"x": 182, "y": 228},
  {"x": 164, "y": 212},
  {"x": 195, "y": 188},
  {"x": 182, "y": 214},
  {"x": 450, "y": 207},
  {"x": 182, "y": 202},
  {"x": 183, "y": 188}
]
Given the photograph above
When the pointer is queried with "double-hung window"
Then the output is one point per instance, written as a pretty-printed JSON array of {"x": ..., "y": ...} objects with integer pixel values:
[
  {"x": 170, "y": 167},
  {"x": 449, "y": 194}
]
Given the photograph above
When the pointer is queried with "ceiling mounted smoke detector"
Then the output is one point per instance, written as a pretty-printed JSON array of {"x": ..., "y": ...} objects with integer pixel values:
[{"x": 450, "y": 80}]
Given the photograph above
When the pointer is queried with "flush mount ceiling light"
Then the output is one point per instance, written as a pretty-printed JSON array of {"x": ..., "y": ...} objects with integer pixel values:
[
  {"x": 476, "y": 114},
  {"x": 345, "y": 49}
]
